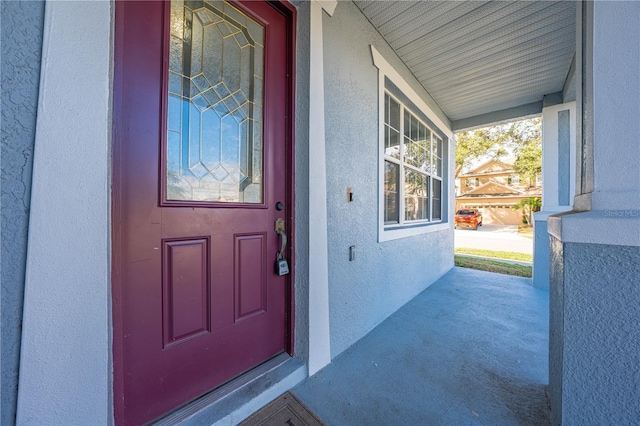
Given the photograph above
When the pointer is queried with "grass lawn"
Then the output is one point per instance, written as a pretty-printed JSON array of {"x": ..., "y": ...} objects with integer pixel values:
[
  {"x": 493, "y": 266},
  {"x": 522, "y": 257}
]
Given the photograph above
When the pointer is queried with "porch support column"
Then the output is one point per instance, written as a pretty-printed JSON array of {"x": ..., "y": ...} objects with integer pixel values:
[
  {"x": 558, "y": 185},
  {"x": 319, "y": 338},
  {"x": 595, "y": 249}
]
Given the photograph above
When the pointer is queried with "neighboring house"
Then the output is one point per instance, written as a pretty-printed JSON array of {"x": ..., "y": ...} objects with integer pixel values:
[
  {"x": 155, "y": 155},
  {"x": 494, "y": 188}
]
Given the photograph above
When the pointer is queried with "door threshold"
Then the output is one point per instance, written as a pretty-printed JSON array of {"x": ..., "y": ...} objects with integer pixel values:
[{"x": 238, "y": 399}]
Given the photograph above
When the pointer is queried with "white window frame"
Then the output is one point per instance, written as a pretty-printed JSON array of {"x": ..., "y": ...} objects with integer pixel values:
[
  {"x": 403, "y": 166},
  {"x": 392, "y": 232}
]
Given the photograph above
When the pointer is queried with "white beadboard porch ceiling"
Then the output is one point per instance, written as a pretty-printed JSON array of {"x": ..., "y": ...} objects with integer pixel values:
[{"x": 478, "y": 57}]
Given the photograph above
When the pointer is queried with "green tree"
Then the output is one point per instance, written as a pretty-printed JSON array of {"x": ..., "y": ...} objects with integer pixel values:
[
  {"x": 528, "y": 206},
  {"x": 497, "y": 141},
  {"x": 474, "y": 145},
  {"x": 528, "y": 162},
  {"x": 523, "y": 132}
]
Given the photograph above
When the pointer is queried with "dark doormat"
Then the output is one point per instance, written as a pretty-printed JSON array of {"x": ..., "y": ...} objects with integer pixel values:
[{"x": 285, "y": 410}]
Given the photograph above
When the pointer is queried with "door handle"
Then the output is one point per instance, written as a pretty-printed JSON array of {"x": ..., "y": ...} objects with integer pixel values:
[
  {"x": 283, "y": 236},
  {"x": 281, "y": 267}
]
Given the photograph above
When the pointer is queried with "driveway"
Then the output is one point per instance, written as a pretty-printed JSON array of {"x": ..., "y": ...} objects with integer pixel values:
[{"x": 494, "y": 237}]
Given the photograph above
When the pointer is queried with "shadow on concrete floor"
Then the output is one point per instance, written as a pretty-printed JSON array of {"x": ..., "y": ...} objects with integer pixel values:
[{"x": 470, "y": 349}]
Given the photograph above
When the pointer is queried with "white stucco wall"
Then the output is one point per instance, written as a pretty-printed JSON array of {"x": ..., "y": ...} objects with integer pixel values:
[
  {"x": 65, "y": 373},
  {"x": 616, "y": 104},
  {"x": 385, "y": 275}
]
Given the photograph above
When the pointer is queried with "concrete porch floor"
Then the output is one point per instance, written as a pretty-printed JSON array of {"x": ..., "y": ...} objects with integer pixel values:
[{"x": 470, "y": 349}]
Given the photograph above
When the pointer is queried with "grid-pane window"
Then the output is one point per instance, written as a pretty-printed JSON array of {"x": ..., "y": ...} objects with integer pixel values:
[{"x": 413, "y": 167}]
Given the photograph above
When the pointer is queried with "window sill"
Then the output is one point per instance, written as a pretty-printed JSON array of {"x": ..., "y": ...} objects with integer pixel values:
[{"x": 394, "y": 233}]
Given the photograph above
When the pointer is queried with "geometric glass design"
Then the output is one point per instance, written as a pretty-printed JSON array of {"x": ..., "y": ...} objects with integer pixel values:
[{"x": 215, "y": 112}]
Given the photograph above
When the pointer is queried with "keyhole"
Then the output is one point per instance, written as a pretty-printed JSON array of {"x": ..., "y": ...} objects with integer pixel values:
[{"x": 279, "y": 205}]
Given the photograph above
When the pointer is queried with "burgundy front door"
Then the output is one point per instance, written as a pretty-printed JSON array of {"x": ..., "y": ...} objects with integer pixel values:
[{"x": 202, "y": 156}]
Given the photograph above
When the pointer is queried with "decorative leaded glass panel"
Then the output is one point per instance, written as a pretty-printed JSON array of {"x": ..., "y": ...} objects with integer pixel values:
[{"x": 214, "y": 123}]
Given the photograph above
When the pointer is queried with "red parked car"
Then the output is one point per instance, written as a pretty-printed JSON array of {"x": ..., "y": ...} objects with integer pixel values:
[{"x": 471, "y": 218}]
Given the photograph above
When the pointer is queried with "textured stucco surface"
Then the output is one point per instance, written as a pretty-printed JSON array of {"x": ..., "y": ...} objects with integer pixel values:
[
  {"x": 584, "y": 184},
  {"x": 22, "y": 24},
  {"x": 556, "y": 329},
  {"x": 469, "y": 350},
  {"x": 302, "y": 182},
  {"x": 386, "y": 275},
  {"x": 616, "y": 94},
  {"x": 595, "y": 305},
  {"x": 601, "y": 380}
]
